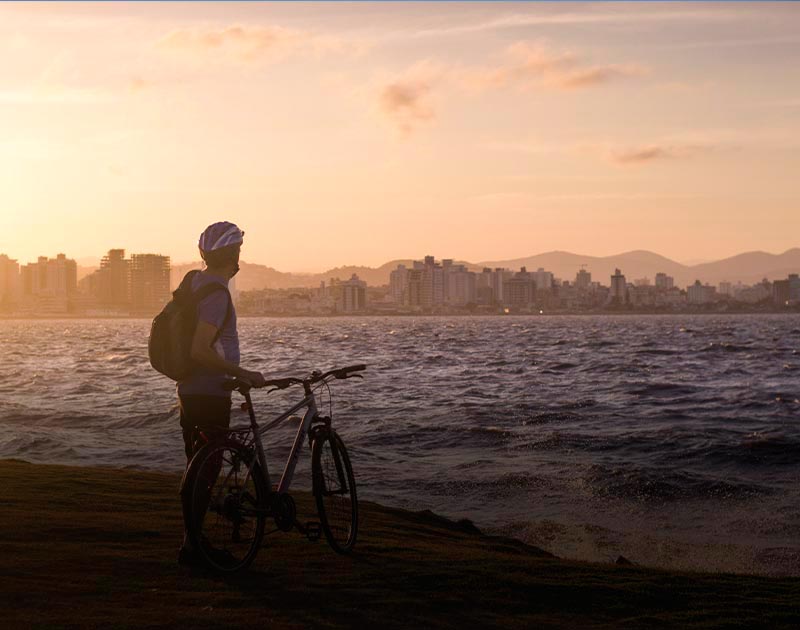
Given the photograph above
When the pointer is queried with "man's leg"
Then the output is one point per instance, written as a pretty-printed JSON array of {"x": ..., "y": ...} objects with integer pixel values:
[{"x": 205, "y": 412}]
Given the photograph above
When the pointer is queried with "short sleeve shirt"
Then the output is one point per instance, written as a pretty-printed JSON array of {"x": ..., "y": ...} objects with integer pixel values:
[{"x": 213, "y": 310}]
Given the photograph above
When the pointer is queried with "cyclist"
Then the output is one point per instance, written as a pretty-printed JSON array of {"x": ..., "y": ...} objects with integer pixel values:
[{"x": 215, "y": 346}]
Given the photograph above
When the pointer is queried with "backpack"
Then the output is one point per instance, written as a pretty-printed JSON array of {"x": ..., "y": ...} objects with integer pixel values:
[{"x": 170, "y": 344}]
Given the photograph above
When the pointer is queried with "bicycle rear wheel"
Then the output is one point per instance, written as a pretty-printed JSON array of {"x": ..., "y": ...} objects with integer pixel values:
[
  {"x": 334, "y": 489},
  {"x": 227, "y": 506}
]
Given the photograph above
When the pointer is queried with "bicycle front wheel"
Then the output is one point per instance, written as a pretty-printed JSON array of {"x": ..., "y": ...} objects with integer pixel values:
[
  {"x": 334, "y": 488},
  {"x": 227, "y": 506}
]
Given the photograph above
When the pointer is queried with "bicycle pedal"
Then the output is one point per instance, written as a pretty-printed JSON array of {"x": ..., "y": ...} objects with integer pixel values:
[{"x": 313, "y": 531}]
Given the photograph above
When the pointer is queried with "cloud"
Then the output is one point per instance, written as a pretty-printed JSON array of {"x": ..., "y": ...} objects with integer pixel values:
[
  {"x": 250, "y": 44},
  {"x": 655, "y": 152},
  {"x": 526, "y": 64},
  {"x": 245, "y": 43},
  {"x": 673, "y": 148},
  {"x": 408, "y": 100},
  {"x": 519, "y": 20},
  {"x": 407, "y": 103},
  {"x": 594, "y": 75}
]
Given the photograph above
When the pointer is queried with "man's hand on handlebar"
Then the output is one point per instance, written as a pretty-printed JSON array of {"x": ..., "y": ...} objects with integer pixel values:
[
  {"x": 253, "y": 379},
  {"x": 282, "y": 383}
]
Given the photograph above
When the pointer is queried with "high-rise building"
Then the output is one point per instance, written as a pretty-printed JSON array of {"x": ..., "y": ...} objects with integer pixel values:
[
  {"x": 543, "y": 279},
  {"x": 460, "y": 285},
  {"x": 786, "y": 292},
  {"x": 794, "y": 288},
  {"x": 698, "y": 293},
  {"x": 48, "y": 284},
  {"x": 432, "y": 283},
  {"x": 353, "y": 295},
  {"x": 583, "y": 280},
  {"x": 664, "y": 282},
  {"x": 483, "y": 279},
  {"x": 398, "y": 280},
  {"x": 447, "y": 268},
  {"x": 62, "y": 275},
  {"x": 150, "y": 284},
  {"x": 780, "y": 292},
  {"x": 497, "y": 281},
  {"x": 520, "y": 290},
  {"x": 50, "y": 276},
  {"x": 413, "y": 293},
  {"x": 33, "y": 277},
  {"x": 114, "y": 280},
  {"x": 757, "y": 293},
  {"x": 9, "y": 282},
  {"x": 619, "y": 288}
]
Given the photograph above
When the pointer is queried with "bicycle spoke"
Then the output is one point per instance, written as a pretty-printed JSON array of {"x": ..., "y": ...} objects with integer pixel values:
[{"x": 229, "y": 523}]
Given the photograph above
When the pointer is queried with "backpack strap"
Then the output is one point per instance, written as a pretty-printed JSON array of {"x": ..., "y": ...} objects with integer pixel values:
[
  {"x": 187, "y": 279},
  {"x": 185, "y": 287},
  {"x": 203, "y": 292}
]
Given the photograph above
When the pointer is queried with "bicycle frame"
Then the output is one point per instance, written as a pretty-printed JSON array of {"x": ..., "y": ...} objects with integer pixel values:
[
  {"x": 310, "y": 405},
  {"x": 232, "y": 503}
]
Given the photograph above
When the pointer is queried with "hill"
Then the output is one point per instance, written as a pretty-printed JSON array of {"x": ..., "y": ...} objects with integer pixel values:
[
  {"x": 634, "y": 264},
  {"x": 250, "y": 276},
  {"x": 748, "y": 267}
]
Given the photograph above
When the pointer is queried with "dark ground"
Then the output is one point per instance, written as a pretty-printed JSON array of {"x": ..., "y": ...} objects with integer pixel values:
[{"x": 89, "y": 547}]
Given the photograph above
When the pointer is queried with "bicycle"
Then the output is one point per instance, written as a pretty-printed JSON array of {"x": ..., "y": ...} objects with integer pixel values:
[{"x": 228, "y": 495}]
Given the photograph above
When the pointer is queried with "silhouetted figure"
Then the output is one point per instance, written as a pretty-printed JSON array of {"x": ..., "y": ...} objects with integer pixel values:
[{"x": 204, "y": 403}]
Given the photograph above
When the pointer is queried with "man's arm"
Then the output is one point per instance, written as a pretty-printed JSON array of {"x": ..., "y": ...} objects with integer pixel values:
[{"x": 203, "y": 354}]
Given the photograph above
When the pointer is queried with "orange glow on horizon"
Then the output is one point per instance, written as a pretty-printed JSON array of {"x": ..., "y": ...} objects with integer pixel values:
[{"x": 360, "y": 134}]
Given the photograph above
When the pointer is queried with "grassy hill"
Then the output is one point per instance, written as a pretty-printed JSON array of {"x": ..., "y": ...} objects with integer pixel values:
[{"x": 86, "y": 548}]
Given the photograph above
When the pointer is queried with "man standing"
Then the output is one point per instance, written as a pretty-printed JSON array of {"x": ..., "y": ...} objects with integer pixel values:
[{"x": 215, "y": 345}]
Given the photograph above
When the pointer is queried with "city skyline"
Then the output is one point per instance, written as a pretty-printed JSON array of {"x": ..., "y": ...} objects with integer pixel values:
[
  {"x": 746, "y": 267},
  {"x": 141, "y": 285},
  {"x": 482, "y": 130}
]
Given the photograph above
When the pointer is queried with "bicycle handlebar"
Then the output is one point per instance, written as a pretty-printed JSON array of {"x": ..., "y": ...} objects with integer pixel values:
[
  {"x": 315, "y": 377},
  {"x": 340, "y": 373}
]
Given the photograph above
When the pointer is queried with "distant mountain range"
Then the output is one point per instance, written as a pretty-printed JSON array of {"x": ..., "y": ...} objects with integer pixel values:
[{"x": 749, "y": 267}]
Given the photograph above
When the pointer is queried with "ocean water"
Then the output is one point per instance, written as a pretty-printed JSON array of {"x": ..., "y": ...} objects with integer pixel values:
[{"x": 671, "y": 440}]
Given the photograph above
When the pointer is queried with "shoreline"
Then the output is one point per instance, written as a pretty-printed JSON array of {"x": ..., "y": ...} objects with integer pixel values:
[
  {"x": 68, "y": 317},
  {"x": 91, "y": 547}
]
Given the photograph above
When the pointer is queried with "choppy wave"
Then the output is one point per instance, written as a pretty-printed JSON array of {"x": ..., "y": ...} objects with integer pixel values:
[
  {"x": 648, "y": 486},
  {"x": 588, "y": 435}
]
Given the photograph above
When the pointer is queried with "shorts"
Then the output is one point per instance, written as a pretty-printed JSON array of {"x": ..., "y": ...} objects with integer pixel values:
[{"x": 205, "y": 412}]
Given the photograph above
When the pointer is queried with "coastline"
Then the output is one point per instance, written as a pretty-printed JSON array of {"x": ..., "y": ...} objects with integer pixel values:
[
  {"x": 95, "y": 547},
  {"x": 638, "y": 313}
]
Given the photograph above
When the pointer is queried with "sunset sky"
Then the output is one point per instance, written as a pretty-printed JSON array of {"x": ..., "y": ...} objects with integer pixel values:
[{"x": 356, "y": 133}]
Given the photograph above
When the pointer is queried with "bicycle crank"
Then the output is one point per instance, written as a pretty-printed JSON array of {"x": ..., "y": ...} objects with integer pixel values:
[{"x": 284, "y": 512}]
